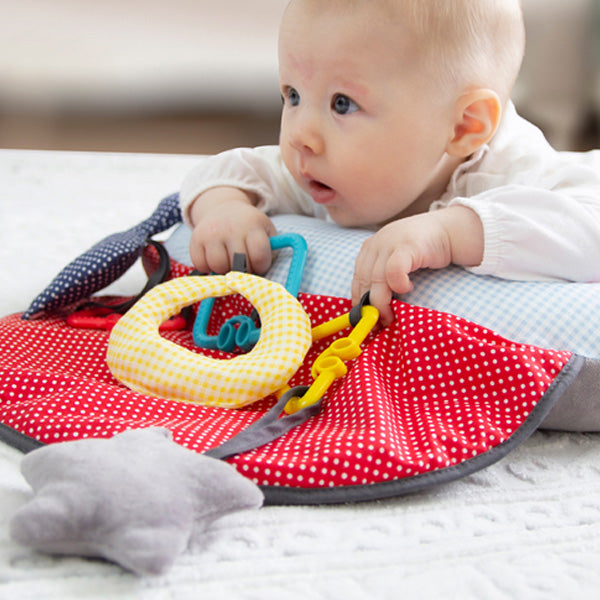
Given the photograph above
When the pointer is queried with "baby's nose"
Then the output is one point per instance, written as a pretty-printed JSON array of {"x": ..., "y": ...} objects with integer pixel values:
[{"x": 306, "y": 136}]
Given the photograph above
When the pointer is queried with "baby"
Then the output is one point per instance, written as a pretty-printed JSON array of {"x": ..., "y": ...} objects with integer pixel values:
[{"x": 396, "y": 117}]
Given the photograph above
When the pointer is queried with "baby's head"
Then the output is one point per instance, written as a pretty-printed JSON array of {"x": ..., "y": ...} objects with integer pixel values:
[{"x": 391, "y": 95}]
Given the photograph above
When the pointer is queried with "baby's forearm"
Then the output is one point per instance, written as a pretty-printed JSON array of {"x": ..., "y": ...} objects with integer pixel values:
[
  {"x": 465, "y": 233},
  {"x": 216, "y": 197}
]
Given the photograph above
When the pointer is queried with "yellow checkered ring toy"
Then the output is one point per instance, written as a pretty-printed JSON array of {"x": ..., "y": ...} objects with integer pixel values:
[{"x": 144, "y": 361}]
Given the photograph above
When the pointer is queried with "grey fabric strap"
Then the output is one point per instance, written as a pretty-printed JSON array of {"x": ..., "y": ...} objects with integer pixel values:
[{"x": 268, "y": 428}]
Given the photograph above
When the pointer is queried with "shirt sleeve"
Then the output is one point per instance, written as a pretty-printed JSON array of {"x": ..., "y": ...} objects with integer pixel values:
[
  {"x": 539, "y": 234},
  {"x": 257, "y": 170},
  {"x": 540, "y": 208}
]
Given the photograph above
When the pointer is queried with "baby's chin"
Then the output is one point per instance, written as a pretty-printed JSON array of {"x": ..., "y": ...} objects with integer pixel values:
[{"x": 344, "y": 218}]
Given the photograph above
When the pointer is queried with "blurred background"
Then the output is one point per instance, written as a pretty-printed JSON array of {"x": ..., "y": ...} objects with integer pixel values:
[{"x": 198, "y": 76}]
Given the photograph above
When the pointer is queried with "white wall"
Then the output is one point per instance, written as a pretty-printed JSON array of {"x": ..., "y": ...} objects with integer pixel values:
[{"x": 85, "y": 55}]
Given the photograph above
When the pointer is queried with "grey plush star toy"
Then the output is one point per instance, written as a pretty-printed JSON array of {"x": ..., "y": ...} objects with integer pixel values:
[{"x": 135, "y": 499}]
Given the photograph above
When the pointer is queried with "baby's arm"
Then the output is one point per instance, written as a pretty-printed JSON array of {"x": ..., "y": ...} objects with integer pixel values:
[
  {"x": 434, "y": 240},
  {"x": 540, "y": 234}
]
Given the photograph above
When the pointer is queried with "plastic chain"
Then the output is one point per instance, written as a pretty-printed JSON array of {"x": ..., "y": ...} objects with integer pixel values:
[
  {"x": 330, "y": 364},
  {"x": 242, "y": 330}
]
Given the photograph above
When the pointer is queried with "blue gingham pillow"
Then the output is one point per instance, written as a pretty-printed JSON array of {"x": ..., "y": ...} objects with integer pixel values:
[{"x": 556, "y": 315}]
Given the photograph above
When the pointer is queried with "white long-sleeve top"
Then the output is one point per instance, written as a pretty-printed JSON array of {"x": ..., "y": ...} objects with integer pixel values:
[{"x": 540, "y": 208}]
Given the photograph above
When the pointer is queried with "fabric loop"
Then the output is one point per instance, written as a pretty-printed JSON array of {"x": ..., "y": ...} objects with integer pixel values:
[
  {"x": 156, "y": 277},
  {"x": 268, "y": 428}
]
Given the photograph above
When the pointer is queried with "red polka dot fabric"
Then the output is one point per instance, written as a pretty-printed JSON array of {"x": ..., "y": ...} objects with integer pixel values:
[{"x": 430, "y": 392}]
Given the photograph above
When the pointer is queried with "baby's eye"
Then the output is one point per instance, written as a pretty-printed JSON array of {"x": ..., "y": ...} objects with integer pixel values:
[
  {"x": 343, "y": 105},
  {"x": 291, "y": 95}
]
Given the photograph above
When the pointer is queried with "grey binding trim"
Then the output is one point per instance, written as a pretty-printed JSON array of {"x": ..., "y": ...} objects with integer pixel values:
[
  {"x": 18, "y": 440},
  {"x": 417, "y": 483}
]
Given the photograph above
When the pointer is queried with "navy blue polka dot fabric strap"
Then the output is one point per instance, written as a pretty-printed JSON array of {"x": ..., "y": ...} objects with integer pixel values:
[{"x": 104, "y": 262}]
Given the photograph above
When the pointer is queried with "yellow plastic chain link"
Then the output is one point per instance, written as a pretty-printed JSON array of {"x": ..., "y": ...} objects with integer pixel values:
[{"x": 329, "y": 365}]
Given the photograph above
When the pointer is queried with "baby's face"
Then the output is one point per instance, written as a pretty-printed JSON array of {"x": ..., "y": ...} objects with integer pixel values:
[{"x": 363, "y": 129}]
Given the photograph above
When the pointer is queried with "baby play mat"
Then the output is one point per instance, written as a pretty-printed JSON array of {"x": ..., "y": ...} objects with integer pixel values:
[
  {"x": 526, "y": 527},
  {"x": 431, "y": 398},
  {"x": 432, "y": 394}
]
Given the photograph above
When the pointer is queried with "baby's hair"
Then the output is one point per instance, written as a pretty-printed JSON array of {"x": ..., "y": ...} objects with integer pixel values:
[{"x": 470, "y": 43}]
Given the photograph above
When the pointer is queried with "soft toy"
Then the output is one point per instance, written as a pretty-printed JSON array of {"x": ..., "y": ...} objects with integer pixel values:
[
  {"x": 143, "y": 360},
  {"x": 135, "y": 499}
]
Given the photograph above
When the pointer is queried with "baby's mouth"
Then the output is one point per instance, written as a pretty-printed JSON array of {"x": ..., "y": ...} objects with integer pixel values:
[
  {"x": 321, "y": 193},
  {"x": 318, "y": 185}
]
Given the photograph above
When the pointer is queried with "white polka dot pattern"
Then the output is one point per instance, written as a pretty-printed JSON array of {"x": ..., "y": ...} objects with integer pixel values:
[
  {"x": 146, "y": 362},
  {"x": 429, "y": 392}
]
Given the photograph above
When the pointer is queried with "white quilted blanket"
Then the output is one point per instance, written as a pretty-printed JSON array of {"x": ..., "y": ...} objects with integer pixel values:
[{"x": 527, "y": 527}]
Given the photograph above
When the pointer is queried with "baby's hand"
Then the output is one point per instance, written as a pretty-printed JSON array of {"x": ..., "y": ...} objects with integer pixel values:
[
  {"x": 433, "y": 240},
  {"x": 225, "y": 221}
]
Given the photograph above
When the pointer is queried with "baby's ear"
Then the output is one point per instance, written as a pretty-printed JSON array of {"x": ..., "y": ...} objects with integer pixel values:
[{"x": 477, "y": 116}]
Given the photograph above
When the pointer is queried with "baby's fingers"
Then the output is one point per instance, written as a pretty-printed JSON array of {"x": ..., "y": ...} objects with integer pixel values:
[
  {"x": 369, "y": 276},
  {"x": 198, "y": 258},
  {"x": 219, "y": 258},
  {"x": 208, "y": 251},
  {"x": 361, "y": 280},
  {"x": 380, "y": 296},
  {"x": 398, "y": 267},
  {"x": 258, "y": 250}
]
